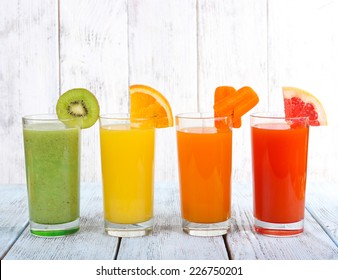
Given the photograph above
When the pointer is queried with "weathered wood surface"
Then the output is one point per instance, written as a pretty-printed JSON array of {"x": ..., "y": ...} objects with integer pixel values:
[
  {"x": 13, "y": 213},
  {"x": 303, "y": 54},
  {"x": 163, "y": 54},
  {"x": 94, "y": 55},
  {"x": 232, "y": 48},
  {"x": 168, "y": 240},
  {"x": 28, "y": 75},
  {"x": 183, "y": 48},
  {"x": 314, "y": 243},
  {"x": 90, "y": 242},
  {"x": 322, "y": 203}
]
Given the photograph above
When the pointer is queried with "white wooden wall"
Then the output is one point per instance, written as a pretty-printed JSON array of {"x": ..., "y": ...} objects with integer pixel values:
[{"x": 184, "y": 48}]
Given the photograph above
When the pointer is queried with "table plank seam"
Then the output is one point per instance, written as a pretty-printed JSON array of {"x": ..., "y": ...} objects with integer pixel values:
[
  {"x": 12, "y": 241},
  {"x": 241, "y": 242},
  {"x": 315, "y": 217},
  {"x": 227, "y": 246},
  {"x": 117, "y": 250}
]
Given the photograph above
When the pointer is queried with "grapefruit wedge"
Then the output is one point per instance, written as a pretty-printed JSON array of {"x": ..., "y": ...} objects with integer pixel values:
[{"x": 300, "y": 103}]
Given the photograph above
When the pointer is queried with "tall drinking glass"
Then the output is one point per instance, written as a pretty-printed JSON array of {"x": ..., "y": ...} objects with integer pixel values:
[
  {"x": 204, "y": 144},
  {"x": 127, "y": 155},
  {"x": 279, "y": 165},
  {"x": 52, "y": 157}
]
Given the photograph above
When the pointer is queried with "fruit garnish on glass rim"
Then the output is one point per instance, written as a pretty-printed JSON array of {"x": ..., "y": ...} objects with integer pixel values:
[
  {"x": 147, "y": 102},
  {"x": 300, "y": 103},
  {"x": 229, "y": 102},
  {"x": 78, "y": 104}
]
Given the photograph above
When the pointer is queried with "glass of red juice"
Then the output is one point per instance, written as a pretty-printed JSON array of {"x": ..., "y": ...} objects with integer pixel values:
[{"x": 279, "y": 165}]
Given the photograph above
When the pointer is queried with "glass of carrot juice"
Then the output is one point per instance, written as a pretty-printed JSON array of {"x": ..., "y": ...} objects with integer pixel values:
[
  {"x": 279, "y": 165},
  {"x": 127, "y": 161},
  {"x": 204, "y": 145}
]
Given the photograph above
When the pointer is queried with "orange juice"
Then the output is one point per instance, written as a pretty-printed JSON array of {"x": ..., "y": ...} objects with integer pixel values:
[
  {"x": 279, "y": 155},
  {"x": 204, "y": 156},
  {"x": 127, "y": 157}
]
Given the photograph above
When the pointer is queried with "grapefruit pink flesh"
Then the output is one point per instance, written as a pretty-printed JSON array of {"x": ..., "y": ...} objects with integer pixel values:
[{"x": 300, "y": 103}]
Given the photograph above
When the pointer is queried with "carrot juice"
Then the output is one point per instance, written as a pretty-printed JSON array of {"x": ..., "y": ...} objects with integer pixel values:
[
  {"x": 127, "y": 170},
  {"x": 279, "y": 158},
  {"x": 204, "y": 157}
]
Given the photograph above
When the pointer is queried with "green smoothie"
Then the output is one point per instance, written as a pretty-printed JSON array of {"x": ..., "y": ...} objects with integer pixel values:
[{"x": 52, "y": 157}]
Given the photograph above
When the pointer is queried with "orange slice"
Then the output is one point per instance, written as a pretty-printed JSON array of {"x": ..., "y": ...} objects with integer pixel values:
[
  {"x": 300, "y": 103},
  {"x": 147, "y": 102}
]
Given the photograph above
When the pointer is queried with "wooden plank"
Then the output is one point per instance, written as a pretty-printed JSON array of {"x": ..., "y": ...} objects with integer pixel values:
[
  {"x": 28, "y": 75},
  {"x": 13, "y": 215},
  {"x": 321, "y": 202},
  {"x": 91, "y": 242},
  {"x": 244, "y": 243},
  {"x": 232, "y": 50},
  {"x": 302, "y": 52},
  {"x": 94, "y": 55},
  {"x": 168, "y": 241},
  {"x": 163, "y": 54}
]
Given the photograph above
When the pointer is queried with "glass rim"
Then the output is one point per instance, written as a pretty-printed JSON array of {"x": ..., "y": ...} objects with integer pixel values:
[
  {"x": 122, "y": 116},
  {"x": 275, "y": 116},
  {"x": 43, "y": 117},
  {"x": 51, "y": 119},
  {"x": 200, "y": 116}
]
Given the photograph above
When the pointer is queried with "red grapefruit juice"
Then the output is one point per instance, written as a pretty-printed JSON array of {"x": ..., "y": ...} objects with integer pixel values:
[{"x": 279, "y": 155}]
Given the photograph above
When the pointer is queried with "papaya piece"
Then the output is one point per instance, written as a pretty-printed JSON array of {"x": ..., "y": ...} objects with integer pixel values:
[
  {"x": 229, "y": 102},
  {"x": 245, "y": 97},
  {"x": 248, "y": 100},
  {"x": 222, "y": 93},
  {"x": 236, "y": 122}
]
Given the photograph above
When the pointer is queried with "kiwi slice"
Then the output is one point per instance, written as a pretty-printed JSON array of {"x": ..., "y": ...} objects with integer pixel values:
[{"x": 78, "y": 103}]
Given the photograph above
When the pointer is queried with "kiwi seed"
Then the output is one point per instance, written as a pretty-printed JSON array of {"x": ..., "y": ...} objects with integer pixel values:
[{"x": 77, "y": 108}]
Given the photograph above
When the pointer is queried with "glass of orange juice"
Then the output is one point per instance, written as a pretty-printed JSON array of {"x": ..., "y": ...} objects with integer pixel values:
[
  {"x": 127, "y": 160},
  {"x": 204, "y": 145},
  {"x": 279, "y": 164}
]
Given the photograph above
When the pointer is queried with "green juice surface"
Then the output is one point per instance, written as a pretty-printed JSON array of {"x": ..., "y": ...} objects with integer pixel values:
[{"x": 52, "y": 157}]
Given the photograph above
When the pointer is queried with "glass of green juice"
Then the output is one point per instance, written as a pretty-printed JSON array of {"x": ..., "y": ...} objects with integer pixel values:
[{"x": 52, "y": 158}]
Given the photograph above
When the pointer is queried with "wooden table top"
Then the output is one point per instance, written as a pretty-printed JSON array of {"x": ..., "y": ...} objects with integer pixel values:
[{"x": 168, "y": 242}]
